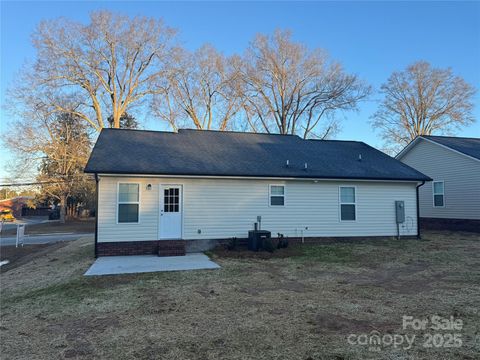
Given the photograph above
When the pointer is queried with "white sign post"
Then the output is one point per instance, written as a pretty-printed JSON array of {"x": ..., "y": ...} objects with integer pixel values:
[{"x": 20, "y": 234}]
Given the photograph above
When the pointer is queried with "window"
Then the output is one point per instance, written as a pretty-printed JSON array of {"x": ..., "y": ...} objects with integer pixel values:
[
  {"x": 277, "y": 195},
  {"x": 347, "y": 203},
  {"x": 438, "y": 194},
  {"x": 128, "y": 202}
]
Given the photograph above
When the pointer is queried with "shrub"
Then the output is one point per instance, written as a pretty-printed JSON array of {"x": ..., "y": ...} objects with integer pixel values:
[
  {"x": 282, "y": 241},
  {"x": 232, "y": 243}
]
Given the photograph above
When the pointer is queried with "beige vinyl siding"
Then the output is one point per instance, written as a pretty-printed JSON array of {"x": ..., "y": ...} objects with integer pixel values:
[
  {"x": 461, "y": 176},
  {"x": 223, "y": 208}
]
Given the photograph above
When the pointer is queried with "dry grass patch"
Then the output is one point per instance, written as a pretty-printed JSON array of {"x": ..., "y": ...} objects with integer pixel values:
[{"x": 298, "y": 307}]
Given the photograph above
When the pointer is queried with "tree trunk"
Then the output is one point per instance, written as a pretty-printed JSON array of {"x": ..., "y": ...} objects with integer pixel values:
[
  {"x": 63, "y": 201},
  {"x": 116, "y": 120}
]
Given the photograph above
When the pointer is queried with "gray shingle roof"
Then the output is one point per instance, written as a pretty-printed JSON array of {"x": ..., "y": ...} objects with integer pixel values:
[
  {"x": 467, "y": 146},
  {"x": 214, "y": 153}
]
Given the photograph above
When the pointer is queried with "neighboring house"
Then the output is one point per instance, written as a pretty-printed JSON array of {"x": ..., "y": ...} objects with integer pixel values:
[
  {"x": 15, "y": 204},
  {"x": 452, "y": 200},
  {"x": 199, "y": 187}
]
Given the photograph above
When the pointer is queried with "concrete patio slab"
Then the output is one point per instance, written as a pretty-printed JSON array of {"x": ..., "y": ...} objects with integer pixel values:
[{"x": 110, "y": 265}]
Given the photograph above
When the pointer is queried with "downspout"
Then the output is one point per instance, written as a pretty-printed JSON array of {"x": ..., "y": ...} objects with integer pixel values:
[
  {"x": 418, "y": 212},
  {"x": 96, "y": 213}
]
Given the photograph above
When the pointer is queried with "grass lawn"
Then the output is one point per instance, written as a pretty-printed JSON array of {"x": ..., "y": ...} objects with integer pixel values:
[{"x": 301, "y": 306}]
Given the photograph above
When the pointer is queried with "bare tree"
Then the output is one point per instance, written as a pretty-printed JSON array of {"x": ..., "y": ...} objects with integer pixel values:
[
  {"x": 107, "y": 66},
  {"x": 127, "y": 121},
  {"x": 199, "y": 91},
  {"x": 290, "y": 89},
  {"x": 422, "y": 100},
  {"x": 58, "y": 145}
]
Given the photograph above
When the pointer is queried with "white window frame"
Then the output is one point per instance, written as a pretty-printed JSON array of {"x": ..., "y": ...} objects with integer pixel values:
[
  {"x": 340, "y": 203},
  {"x": 128, "y": 202},
  {"x": 434, "y": 193},
  {"x": 270, "y": 195}
]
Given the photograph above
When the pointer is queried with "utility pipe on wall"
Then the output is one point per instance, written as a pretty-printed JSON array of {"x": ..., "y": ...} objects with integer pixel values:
[{"x": 418, "y": 212}]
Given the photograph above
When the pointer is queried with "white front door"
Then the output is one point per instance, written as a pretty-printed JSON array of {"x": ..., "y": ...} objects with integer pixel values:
[{"x": 170, "y": 212}]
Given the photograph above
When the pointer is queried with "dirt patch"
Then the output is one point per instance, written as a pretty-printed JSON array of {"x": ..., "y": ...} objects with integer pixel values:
[
  {"x": 342, "y": 325},
  {"x": 293, "y": 286},
  {"x": 77, "y": 335},
  {"x": 82, "y": 349},
  {"x": 77, "y": 329},
  {"x": 25, "y": 254},
  {"x": 403, "y": 279}
]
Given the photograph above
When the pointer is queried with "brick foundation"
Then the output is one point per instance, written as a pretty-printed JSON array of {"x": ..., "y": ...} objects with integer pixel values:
[
  {"x": 171, "y": 248},
  {"x": 204, "y": 245},
  {"x": 450, "y": 224},
  {"x": 351, "y": 239},
  {"x": 155, "y": 247},
  {"x": 180, "y": 247}
]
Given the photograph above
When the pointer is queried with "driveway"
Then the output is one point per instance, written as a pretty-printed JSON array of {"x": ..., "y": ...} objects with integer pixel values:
[{"x": 43, "y": 239}]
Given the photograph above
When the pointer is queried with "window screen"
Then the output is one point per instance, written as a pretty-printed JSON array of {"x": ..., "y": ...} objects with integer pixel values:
[
  {"x": 277, "y": 195},
  {"x": 128, "y": 202},
  {"x": 438, "y": 194},
  {"x": 347, "y": 203}
]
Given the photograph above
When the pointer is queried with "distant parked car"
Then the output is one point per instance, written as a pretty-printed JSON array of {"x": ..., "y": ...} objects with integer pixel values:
[
  {"x": 6, "y": 215},
  {"x": 54, "y": 214}
]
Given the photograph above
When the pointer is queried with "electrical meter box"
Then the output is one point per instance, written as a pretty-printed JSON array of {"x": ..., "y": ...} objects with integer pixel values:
[{"x": 400, "y": 211}]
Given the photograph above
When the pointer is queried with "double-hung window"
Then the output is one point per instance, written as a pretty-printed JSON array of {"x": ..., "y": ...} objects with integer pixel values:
[
  {"x": 438, "y": 194},
  {"x": 277, "y": 195},
  {"x": 348, "y": 211},
  {"x": 128, "y": 202}
]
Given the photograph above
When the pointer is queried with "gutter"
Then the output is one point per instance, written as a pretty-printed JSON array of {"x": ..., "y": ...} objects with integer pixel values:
[
  {"x": 258, "y": 177},
  {"x": 419, "y": 237},
  {"x": 96, "y": 213}
]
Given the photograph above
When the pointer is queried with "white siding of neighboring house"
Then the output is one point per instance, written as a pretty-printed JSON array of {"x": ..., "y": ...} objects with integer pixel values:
[
  {"x": 461, "y": 176},
  {"x": 224, "y": 208}
]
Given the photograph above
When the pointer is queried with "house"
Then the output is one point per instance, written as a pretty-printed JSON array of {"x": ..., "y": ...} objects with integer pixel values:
[
  {"x": 164, "y": 192},
  {"x": 452, "y": 200},
  {"x": 16, "y": 204}
]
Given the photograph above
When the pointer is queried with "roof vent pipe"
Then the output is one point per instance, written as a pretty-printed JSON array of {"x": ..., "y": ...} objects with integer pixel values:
[
  {"x": 306, "y": 167},
  {"x": 288, "y": 163},
  {"x": 359, "y": 157}
]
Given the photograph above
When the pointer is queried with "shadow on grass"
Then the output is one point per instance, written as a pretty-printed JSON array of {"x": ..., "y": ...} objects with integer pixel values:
[{"x": 72, "y": 292}]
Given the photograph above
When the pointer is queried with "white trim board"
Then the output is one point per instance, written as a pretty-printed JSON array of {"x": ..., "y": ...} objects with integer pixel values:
[{"x": 254, "y": 178}]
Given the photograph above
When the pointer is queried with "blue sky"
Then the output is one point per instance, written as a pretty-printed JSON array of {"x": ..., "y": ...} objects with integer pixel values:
[{"x": 371, "y": 39}]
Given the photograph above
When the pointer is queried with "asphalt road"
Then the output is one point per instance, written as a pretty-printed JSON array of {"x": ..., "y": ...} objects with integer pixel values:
[
  {"x": 27, "y": 221},
  {"x": 43, "y": 239}
]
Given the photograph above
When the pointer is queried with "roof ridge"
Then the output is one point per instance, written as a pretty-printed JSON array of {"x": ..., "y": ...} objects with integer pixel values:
[
  {"x": 140, "y": 130},
  {"x": 337, "y": 140},
  {"x": 236, "y": 132},
  {"x": 450, "y": 137},
  {"x": 232, "y": 132}
]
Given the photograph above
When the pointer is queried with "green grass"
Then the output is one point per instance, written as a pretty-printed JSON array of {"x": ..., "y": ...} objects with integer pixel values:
[
  {"x": 71, "y": 293},
  {"x": 333, "y": 254}
]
